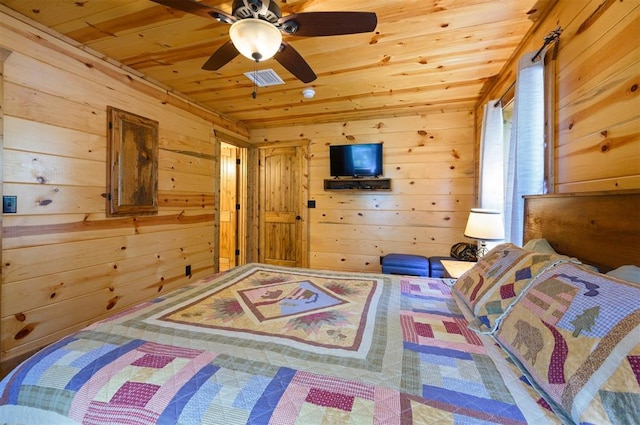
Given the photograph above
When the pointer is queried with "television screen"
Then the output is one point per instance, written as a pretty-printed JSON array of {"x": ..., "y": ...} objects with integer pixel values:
[{"x": 356, "y": 160}]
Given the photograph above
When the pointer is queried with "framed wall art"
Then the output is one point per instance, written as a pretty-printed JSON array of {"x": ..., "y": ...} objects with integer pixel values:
[{"x": 132, "y": 180}]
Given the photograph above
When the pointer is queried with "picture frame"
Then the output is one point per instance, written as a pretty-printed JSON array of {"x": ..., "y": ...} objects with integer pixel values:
[{"x": 132, "y": 175}]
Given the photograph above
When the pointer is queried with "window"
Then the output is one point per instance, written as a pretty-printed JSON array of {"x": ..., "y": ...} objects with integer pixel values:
[{"x": 518, "y": 136}]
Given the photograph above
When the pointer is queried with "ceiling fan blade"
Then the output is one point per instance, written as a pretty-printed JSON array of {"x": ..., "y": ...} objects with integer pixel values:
[
  {"x": 294, "y": 63},
  {"x": 314, "y": 24},
  {"x": 200, "y": 9},
  {"x": 225, "y": 54}
]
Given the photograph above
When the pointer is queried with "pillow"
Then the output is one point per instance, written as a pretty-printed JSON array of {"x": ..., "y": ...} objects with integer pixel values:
[
  {"x": 540, "y": 246},
  {"x": 629, "y": 273},
  {"x": 491, "y": 268},
  {"x": 576, "y": 335},
  {"x": 493, "y": 284}
]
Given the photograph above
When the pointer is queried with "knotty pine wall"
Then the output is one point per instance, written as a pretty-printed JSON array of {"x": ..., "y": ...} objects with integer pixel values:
[
  {"x": 64, "y": 263},
  {"x": 430, "y": 159},
  {"x": 597, "y": 108}
]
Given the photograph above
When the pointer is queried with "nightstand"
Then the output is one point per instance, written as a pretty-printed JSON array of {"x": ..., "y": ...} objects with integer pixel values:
[{"x": 455, "y": 269}]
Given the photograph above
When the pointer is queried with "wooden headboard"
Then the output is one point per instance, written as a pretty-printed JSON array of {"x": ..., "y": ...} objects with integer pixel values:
[{"x": 601, "y": 229}]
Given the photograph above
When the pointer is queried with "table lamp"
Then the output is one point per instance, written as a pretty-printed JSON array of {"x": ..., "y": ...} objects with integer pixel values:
[{"x": 484, "y": 225}]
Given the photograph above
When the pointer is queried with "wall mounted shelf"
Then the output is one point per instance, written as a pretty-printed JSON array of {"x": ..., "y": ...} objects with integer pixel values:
[{"x": 357, "y": 184}]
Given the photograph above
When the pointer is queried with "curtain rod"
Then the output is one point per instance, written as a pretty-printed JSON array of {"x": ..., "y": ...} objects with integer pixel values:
[
  {"x": 499, "y": 101},
  {"x": 552, "y": 37}
]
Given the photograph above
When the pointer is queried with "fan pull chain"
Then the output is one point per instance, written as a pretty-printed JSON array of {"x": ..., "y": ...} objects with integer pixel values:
[{"x": 255, "y": 80}]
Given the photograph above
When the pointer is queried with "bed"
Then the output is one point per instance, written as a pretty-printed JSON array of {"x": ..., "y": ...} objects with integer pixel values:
[{"x": 262, "y": 344}]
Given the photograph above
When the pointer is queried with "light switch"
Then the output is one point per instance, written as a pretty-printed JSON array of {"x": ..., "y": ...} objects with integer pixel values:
[{"x": 9, "y": 204}]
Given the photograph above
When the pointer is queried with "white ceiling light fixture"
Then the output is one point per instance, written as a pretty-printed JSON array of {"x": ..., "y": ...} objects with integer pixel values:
[
  {"x": 255, "y": 39},
  {"x": 308, "y": 93}
]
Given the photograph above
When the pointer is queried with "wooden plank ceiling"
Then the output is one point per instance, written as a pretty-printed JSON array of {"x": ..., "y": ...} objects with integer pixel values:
[{"x": 424, "y": 54}]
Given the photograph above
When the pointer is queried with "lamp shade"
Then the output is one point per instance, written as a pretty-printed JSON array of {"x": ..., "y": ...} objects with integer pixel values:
[
  {"x": 485, "y": 225},
  {"x": 255, "y": 39}
]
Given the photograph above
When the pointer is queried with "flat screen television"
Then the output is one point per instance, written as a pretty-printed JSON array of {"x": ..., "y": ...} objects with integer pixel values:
[{"x": 364, "y": 160}]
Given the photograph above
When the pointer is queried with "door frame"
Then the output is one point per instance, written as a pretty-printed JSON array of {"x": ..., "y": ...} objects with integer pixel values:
[{"x": 243, "y": 217}]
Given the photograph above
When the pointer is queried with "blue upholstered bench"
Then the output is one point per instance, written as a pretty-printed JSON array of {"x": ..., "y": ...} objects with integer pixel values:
[
  {"x": 407, "y": 264},
  {"x": 435, "y": 266},
  {"x": 413, "y": 265}
]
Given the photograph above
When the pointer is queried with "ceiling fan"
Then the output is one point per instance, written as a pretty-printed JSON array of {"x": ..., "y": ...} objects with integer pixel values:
[{"x": 257, "y": 27}]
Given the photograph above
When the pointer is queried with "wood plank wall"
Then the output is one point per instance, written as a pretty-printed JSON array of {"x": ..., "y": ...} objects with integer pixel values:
[
  {"x": 430, "y": 161},
  {"x": 430, "y": 158},
  {"x": 65, "y": 264},
  {"x": 597, "y": 113}
]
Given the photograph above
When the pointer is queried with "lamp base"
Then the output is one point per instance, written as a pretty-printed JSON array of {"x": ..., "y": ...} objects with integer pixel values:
[{"x": 482, "y": 250}]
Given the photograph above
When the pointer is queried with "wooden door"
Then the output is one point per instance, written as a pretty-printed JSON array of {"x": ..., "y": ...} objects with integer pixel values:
[
  {"x": 283, "y": 193},
  {"x": 228, "y": 210}
]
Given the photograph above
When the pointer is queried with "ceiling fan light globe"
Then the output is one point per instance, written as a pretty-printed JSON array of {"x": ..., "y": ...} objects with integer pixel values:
[{"x": 255, "y": 39}]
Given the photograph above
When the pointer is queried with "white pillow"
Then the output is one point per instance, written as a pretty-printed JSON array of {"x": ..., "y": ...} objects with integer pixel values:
[
  {"x": 629, "y": 273},
  {"x": 540, "y": 246}
]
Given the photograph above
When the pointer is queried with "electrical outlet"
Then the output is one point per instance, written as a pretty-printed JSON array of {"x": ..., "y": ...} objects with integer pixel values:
[
  {"x": 9, "y": 204},
  {"x": 187, "y": 270}
]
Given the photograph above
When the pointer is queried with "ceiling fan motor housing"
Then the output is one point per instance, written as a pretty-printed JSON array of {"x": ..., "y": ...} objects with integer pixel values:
[{"x": 266, "y": 10}]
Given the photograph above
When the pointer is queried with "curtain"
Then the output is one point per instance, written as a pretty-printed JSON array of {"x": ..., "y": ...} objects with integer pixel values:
[
  {"x": 491, "y": 171},
  {"x": 491, "y": 182},
  {"x": 525, "y": 164}
]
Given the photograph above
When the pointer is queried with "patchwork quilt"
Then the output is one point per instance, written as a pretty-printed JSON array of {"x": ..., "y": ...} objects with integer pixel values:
[{"x": 263, "y": 344}]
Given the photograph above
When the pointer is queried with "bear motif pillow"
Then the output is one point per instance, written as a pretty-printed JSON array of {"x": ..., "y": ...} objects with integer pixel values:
[{"x": 576, "y": 334}]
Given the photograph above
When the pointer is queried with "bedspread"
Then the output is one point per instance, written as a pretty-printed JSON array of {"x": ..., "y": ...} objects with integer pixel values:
[{"x": 263, "y": 344}]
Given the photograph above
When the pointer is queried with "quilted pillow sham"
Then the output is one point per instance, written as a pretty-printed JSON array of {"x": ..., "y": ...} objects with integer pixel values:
[
  {"x": 493, "y": 284},
  {"x": 576, "y": 334},
  {"x": 490, "y": 269}
]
